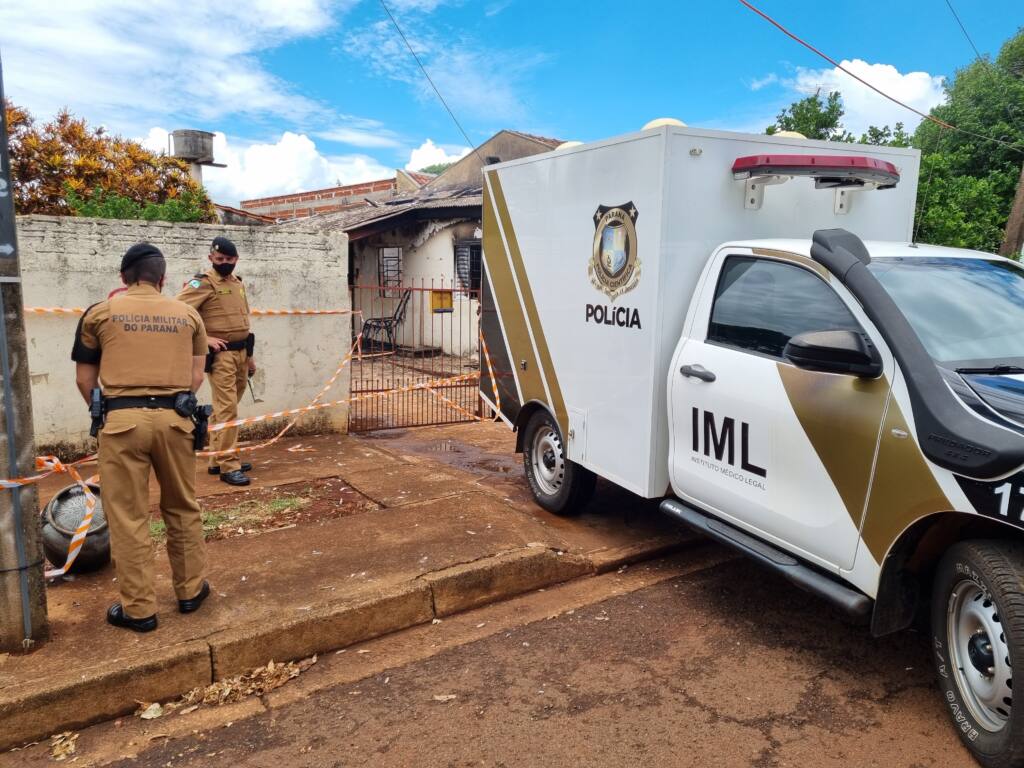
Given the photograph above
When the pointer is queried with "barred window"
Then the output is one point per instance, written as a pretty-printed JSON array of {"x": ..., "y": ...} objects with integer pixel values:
[
  {"x": 389, "y": 271},
  {"x": 467, "y": 267}
]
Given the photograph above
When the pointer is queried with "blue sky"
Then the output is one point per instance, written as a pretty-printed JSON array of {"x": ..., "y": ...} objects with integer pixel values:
[{"x": 306, "y": 93}]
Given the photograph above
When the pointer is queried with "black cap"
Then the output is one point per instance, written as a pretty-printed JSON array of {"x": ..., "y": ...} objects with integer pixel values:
[
  {"x": 225, "y": 246},
  {"x": 137, "y": 253}
]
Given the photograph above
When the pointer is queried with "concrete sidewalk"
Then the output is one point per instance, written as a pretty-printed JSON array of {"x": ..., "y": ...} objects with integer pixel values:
[{"x": 445, "y": 524}]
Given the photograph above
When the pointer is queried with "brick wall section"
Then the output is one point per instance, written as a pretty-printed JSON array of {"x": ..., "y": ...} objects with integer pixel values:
[
  {"x": 74, "y": 262},
  {"x": 287, "y": 206}
]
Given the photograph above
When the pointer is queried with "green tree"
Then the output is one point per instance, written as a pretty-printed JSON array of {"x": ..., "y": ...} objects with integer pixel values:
[
  {"x": 189, "y": 205},
  {"x": 66, "y": 156},
  {"x": 966, "y": 192},
  {"x": 957, "y": 210},
  {"x": 436, "y": 169},
  {"x": 887, "y": 137},
  {"x": 814, "y": 118},
  {"x": 967, "y": 181}
]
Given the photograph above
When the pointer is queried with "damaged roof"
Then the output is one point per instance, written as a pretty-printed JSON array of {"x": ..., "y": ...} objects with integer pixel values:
[
  {"x": 457, "y": 204},
  {"x": 456, "y": 193}
]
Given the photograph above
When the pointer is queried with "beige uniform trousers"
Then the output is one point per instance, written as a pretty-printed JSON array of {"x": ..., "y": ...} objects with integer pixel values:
[
  {"x": 132, "y": 441},
  {"x": 227, "y": 383}
]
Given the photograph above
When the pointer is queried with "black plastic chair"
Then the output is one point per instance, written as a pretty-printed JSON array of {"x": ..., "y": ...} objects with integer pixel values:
[{"x": 374, "y": 326}]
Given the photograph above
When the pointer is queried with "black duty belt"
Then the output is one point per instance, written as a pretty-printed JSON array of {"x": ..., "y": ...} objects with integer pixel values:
[
  {"x": 235, "y": 346},
  {"x": 151, "y": 401}
]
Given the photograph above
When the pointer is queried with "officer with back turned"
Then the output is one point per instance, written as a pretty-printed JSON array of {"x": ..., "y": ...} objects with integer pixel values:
[
  {"x": 148, "y": 351},
  {"x": 220, "y": 298}
]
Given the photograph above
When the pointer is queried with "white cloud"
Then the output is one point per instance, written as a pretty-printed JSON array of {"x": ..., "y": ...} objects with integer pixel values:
[
  {"x": 157, "y": 140},
  {"x": 291, "y": 164},
  {"x": 478, "y": 81},
  {"x": 863, "y": 106},
  {"x": 404, "y": 6},
  {"x": 770, "y": 79},
  {"x": 493, "y": 9},
  {"x": 360, "y": 137},
  {"x": 428, "y": 153},
  {"x": 129, "y": 64}
]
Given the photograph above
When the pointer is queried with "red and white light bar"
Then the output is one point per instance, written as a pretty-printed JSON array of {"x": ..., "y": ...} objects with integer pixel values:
[{"x": 826, "y": 170}]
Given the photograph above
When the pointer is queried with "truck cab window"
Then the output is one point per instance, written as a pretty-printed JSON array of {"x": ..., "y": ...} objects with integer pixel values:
[{"x": 760, "y": 304}]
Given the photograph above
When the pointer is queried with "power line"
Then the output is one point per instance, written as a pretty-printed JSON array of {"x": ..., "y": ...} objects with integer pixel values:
[
  {"x": 963, "y": 29},
  {"x": 988, "y": 65},
  {"x": 858, "y": 78},
  {"x": 429, "y": 80}
]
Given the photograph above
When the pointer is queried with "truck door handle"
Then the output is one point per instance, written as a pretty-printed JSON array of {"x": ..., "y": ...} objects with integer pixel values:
[{"x": 697, "y": 372}]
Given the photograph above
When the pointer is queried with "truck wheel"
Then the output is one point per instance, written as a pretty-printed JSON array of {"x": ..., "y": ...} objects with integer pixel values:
[
  {"x": 978, "y": 635},
  {"x": 558, "y": 485}
]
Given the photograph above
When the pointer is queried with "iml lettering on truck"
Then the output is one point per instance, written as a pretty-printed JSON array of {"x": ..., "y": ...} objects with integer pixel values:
[
  {"x": 623, "y": 317},
  {"x": 722, "y": 441}
]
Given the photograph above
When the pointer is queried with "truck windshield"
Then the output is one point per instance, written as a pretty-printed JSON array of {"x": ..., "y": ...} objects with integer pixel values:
[{"x": 968, "y": 312}]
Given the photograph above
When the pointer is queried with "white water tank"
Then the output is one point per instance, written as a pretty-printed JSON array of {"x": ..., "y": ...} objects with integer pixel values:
[{"x": 660, "y": 121}]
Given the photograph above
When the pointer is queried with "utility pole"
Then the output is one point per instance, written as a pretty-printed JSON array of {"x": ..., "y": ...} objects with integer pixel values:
[
  {"x": 1013, "y": 240},
  {"x": 22, "y": 590}
]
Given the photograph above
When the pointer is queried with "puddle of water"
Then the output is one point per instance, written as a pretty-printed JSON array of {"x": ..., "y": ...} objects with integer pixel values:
[
  {"x": 497, "y": 467},
  {"x": 384, "y": 434},
  {"x": 443, "y": 446}
]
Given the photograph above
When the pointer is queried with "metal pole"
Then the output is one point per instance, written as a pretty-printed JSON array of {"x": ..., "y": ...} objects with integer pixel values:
[{"x": 23, "y": 620}]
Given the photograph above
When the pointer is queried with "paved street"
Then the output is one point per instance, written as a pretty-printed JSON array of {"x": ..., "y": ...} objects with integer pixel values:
[{"x": 723, "y": 666}]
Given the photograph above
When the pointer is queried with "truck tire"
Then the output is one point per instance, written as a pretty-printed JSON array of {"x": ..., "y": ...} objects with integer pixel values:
[
  {"x": 978, "y": 635},
  {"x": 557, "y": 484}
]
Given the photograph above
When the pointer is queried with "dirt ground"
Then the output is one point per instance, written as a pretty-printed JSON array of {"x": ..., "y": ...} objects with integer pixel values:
[{"x": 724, "y": 667}]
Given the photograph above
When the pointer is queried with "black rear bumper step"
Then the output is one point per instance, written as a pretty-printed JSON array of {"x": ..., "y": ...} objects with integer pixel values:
[{"x": 855, "y": 604}]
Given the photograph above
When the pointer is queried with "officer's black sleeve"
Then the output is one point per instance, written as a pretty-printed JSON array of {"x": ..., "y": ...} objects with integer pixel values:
[{"x": 80, "y": 353}]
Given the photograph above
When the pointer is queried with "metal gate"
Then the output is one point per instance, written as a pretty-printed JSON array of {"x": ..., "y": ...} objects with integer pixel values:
[{"x": 414, "y": 333}]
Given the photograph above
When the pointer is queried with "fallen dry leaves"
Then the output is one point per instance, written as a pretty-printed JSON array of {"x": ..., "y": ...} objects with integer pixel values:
[
  {"x": 152, "y": 712},
  {"x": 62, "y": 745},
  {"x": 256, "y": 683}
]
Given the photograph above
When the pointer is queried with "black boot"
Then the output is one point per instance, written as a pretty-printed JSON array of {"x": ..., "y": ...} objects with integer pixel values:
[
  {"x": 246, "y": 466},
  {"x": 188, "y": 606},
  {"x": 115, "y": 616},
  {"x": 234, "y": 478}
]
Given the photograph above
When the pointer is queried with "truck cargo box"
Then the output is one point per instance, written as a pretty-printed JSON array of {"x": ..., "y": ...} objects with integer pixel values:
[{"x": 593, "y": 253}]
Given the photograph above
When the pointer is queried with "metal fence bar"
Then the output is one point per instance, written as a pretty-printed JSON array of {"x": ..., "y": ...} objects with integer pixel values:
[{"x": 412, "y": 342}]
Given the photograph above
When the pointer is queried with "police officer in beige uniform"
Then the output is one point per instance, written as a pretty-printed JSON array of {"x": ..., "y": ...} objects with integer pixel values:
[
  {"x": 148, "y": 351},
  {"x": 220, "y": 298}
]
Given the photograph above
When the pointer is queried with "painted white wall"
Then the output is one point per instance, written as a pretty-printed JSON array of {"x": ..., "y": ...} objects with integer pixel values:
[
  {"x": 428, "y": 264},
  {"x": 73, "y": 262}
]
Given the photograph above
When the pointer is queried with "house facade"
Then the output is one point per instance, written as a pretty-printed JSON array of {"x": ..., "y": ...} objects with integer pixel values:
[{"x": 415, "y": 259}]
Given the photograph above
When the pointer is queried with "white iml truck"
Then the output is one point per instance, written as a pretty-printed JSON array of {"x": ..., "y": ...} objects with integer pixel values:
[{"x": 742, "y": 326}]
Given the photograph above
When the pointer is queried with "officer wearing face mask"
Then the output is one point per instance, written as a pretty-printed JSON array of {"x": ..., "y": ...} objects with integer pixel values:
[{"x": 219, "y": 296}]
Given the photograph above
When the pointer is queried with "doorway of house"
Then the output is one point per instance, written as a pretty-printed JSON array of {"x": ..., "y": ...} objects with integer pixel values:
[{"x": 416, "y": 336}]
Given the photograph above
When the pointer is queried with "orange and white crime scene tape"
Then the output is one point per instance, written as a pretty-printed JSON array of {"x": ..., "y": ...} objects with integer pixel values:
[
  {"x": 256, "y": 312},
  {"x": 53, "y": 465}
]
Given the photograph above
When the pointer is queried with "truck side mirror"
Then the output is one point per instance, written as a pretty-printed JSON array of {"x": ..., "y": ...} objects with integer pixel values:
[{"x": 846, "y": 352}]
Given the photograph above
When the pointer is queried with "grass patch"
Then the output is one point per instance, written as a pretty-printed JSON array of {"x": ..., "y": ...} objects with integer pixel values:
[
  {"x": 286, "y": 504},
  {"x": 157, "y": 530},
  {"x": 212, "y": 521},
  {"x": 248, "y": 514}
]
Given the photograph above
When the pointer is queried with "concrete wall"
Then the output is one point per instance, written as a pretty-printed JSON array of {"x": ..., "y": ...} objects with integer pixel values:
[
  {"x": 73, "y": 262},
  {"x": 504, "y": 145},
  {"x": 428, "y": 264}
]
